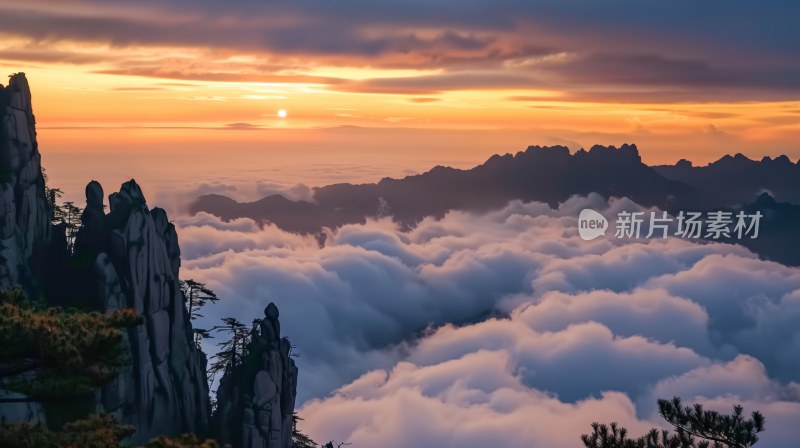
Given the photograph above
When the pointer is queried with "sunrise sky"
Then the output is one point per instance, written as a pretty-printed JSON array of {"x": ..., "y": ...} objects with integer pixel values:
[
  {"x": 374, "y": 89},
  {"x": 497, "y": 328}
]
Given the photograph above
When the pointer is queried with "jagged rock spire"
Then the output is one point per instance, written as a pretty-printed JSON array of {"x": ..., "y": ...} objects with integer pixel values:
[
  {"x": 135, "y": 259},
  {"x": 24, "y": 210},
  {"x": 256, "y": 399}
]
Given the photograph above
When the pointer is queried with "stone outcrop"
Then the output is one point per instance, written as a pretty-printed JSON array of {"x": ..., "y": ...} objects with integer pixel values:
[
  {"x": 256, "y": 399},
  {"x": 135, "y": 259},
  {"x": 24, "y": 211},
  {"x": 130, "y": 258}
]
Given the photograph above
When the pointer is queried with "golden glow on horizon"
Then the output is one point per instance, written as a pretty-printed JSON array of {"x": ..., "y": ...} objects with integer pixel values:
[
  {"x": 360, "y": 73},
  {"x": 191, "y": 89},
  {"x": 70, "y": 96}
]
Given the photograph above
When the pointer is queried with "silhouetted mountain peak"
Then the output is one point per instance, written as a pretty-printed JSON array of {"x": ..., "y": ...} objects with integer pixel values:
[
  {"x": 540, "y": 154},
  {"x": 625, "y": 152},
  {"x": 765, "y": 200},
  {"x": 558, "y": 149},
  {"x": 539, "y": 173},
  {"x": 275, "y": 200},
  {"x": 497, "y": 158},
  {"x": 737, "y": 179},
  {"x": 738, "y": 160},
  {"x": 782, "y": 159},
  {"x": 442, "y": 169},
  {"x": 216, "y": 197}
]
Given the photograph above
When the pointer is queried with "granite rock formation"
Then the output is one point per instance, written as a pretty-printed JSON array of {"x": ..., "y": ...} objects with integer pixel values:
[
  {"x": 130, "y": 258},
  {"x": 256, "y": 399},
  {"x": 133, "y": 260},
  {"x": 24, "y": 213}
]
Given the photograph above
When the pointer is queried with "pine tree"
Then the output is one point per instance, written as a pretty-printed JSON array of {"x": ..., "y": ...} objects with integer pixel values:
[
  {"x": 299, "y": 439},
  {"x": 52, "y": 195},
  {"x": 94, "y": 431},
  {"x": 197, "y": 295},
  {"x": 183, "y": 441},
  {"x": 233, "y": 350},
  {"x": 694, "y": 427},
  {"x": 54, "y": 353},
  {"x": 68, "y": 214}
]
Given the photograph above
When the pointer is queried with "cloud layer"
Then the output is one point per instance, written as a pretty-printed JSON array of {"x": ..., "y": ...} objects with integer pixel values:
[{"x": 505, "y": 328}]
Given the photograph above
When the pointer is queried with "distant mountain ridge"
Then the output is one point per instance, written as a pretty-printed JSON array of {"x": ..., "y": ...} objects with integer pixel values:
[
  {"x": 778, "y": 239},
  {"x": 551, "y": 175},
  {"x": 547, "y": 174},
  {"x": 736, "y": 179}
]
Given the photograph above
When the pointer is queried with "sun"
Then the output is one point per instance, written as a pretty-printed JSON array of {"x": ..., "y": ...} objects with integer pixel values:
[{"x": 282, "y": 113}]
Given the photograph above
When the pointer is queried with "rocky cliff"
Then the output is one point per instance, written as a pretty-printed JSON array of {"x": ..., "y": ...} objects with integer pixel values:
[
  {"x": 24, "y": 214},
  {"x": 134, "y": 259},
  {"x": 130, "y": 258},
  {"x": 256, "y": 399}
]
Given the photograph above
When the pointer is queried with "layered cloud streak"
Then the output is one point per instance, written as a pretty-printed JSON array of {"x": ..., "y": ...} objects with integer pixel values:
[{"x": 581, "y": 47}]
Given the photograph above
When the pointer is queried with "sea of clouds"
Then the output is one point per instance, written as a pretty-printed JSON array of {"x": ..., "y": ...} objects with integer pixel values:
[{"x": 505, "y": 328}]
